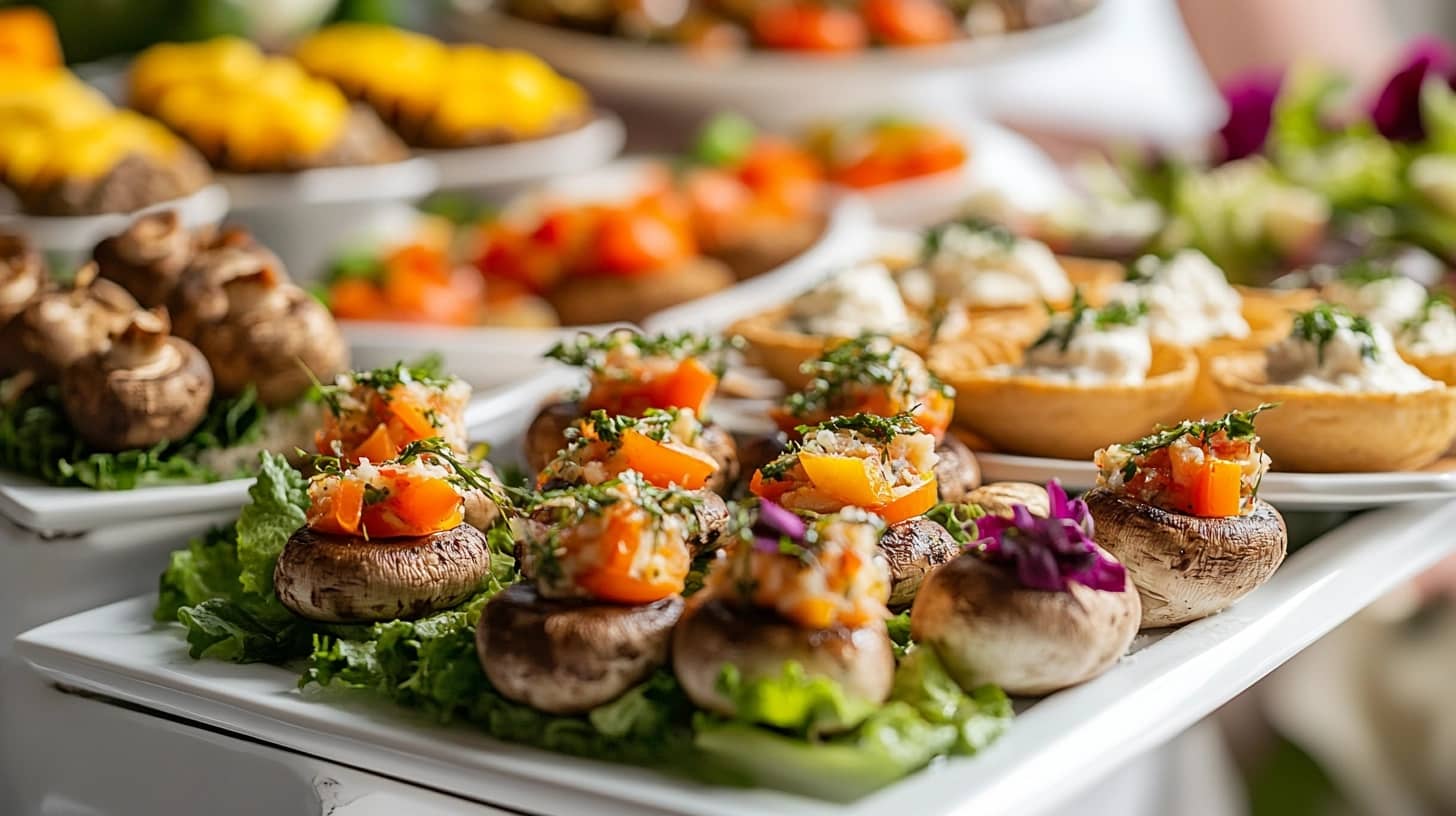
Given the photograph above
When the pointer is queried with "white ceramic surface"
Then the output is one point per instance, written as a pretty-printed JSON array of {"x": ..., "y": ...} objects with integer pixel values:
[
  {"x": 484, "y": 168},
  {"x": 765, "y": 84},
  {"x": 70, "y": 238},
  {"x": 1287, "y": 491},
  {"x": 1076, "y": 737}
]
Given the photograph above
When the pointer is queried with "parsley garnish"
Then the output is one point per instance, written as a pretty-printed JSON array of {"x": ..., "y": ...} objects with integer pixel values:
[
  {"x": 571, "y": 505},
  {"x": 1063, "y": 329},
  {"x": 590, "y": 351},
  {"x": 1434, "y": 301},
  {"x": 867, "y": 360},
  {"x": 1236, "y": 424},
  {"x": 935, "y": 236},
  {"x": 655, "y": 424},
  {"x": 870, "y": 426},
  {"x": 1320, "y": 324},
  {"x": 383, "y": 380}
]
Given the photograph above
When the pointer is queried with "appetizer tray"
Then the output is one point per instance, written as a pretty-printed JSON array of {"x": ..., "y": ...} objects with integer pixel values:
[
  {"x": 33, "y": 505},
  {"x": 1171, "y": 680},
  {"x": 1287, "y": 491}
]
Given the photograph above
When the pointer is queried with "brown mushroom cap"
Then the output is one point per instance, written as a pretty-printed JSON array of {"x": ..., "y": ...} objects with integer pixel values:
[
  {"x": 148, "y": 387},
  {"x": 714, "y": 633},
  {"x": 998, "y": 498},
  {"x": 347, "y": 579},
  {"x": 987, "y": 628},
  {"x": 546, "y": 437},
  {"x": 23, "y": 275},
  {"x": 914, "y": 547},
  {"x": 199, "y": 297},
  {"x": 60, "y": 327},
  {"x": 956, "y": 471},
  {"x": 570, "y": 656},
  {"x": 149, "y": 257},
  {"x": 1186, "y": 567},
  {"x": 274, "y": 336}
]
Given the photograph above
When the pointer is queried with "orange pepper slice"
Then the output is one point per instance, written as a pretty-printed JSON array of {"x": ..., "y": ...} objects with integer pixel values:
[
  {"x": 690, "y": 385},
  {"x": 348, "y": 505},
  {"x": 420, "y": 507},
  {"x": 910, "y": 502},
  {"x": 934, "y": 414},
  {"x": 665, "y": 463},
  {"x": 613, "y": 581},
  {"x": 378, "y": 447},
  {"x": 410, "y": 415},
  {"x": 854, "y": 481},
  {"x": 773, "y": 490},
  {"x": 1219, "y": 489}
]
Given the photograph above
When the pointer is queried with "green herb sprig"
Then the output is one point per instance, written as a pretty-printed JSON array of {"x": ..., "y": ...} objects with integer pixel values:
[
  {"x": 1064, "y": 328},
  {"x": 935, "y": 236},
  {"x": 868, "y": 360},
  {"x": 590, "y": 351},
  {"x": 1320, "y": 325}
]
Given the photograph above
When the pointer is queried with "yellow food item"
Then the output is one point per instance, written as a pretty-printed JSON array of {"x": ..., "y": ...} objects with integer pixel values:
[
  {"x": 242, "y": 108},
  {"x": 54, "y": 126},
  {"x": 445, "y": 96}
]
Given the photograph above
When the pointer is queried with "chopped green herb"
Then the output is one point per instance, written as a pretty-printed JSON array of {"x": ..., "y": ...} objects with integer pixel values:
[
  {"x": 877, "y": 428},
  {"x": 935, "y": 236},
  {"x": 867, "y": 360},
  {"x": 1320, "y": 325},
  {"x": 1236, "y": 424},
  {"x": 1436, "y": 300},
  {"x": 590, "y": 351},
  {"x": 1064, "y": 328}
]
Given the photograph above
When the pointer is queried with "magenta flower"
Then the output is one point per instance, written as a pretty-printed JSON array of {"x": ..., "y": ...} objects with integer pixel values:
[
  {"x": 1048, "y": 553},
  {"x": 1250, "y": 101},
  {"x": 1396, "y": 111}
]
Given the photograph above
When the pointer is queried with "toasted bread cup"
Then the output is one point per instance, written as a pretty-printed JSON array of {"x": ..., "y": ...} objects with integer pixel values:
[
  {"x": 1340, "y": 431},
  {"x": 1032, "y": 416},
  {"x": 1268, "y": 322}
]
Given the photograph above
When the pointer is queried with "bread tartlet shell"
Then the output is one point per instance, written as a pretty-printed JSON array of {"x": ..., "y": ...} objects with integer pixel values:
[
  {"x": 780, "y": 350},
  {"x": 1268, "y": 316},
  {"x": 1036, "y": 417},
  {"x": 1441, "y": 367},
  {"x": 1187, "y": 567},
  {"x": 1340, "y": 431}
]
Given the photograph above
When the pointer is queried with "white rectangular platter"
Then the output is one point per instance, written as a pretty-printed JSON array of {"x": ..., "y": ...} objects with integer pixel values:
[{"x": 1056, "y": 747}]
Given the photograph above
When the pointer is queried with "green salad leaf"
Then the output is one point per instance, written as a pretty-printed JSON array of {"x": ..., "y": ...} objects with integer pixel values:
[
  {"x": 979, "y": 717},
  {"x": 278, "y": 507},
  {"x": 792, "y": 701},
  {"x": 37, "y": 439}
]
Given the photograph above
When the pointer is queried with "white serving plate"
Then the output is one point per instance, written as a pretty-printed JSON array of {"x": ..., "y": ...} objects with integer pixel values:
[
  {"x": 72, "y": 237},
  {"x": 488, "y": 357},
  {"x": 1287, "y": 491},
  {"x": 756, "y": 82},
  {"x": 575, "y": 151},
  {"x": 1171, "y": 680},
  {"x": 34, "y": 505}
]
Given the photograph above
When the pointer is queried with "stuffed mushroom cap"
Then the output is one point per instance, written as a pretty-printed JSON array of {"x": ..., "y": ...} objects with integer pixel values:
[
  {"x": 59, "y": 327},
  {"x": 149, "y": 257},
  {"x": 956, "y": 470},
  {"x": 274, "y": 336},
  {"x": 998, "y": 498},
  {"x": 147, "y": 387},
  {"x": 22, "y": 276},
  {"x": 715, "y": 633},
  {"x": 199, "y": 297},
  {"x": 913, "y": 548},
  {"x": 568, "y": 656},
  {"x": 349, "y": 579},
  {"x": 1188, "y": 567},
  {"x": 988, "y": 628}
]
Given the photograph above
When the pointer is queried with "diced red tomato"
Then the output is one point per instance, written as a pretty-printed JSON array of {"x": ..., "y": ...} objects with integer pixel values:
[{"x": 808, "y": 26}]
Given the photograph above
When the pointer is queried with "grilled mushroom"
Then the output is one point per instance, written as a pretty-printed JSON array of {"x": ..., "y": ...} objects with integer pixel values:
[
  {"x": 148, "y": 387},
  {"x": 59, "y": 327},
  {"x": 998, "y": 498},
  {"x": 570, "y": 656},
  {"x": 1186, "y": 567},
  {"x": 987, "y": 628},
  {"x": 956, "y": 470},
  {"x": 273, "y": 336},
  {"x": 715, "y": 633},
  {"x": 149, "y": 257},
  {"x": 349, "y": 579},
  {"x": 546, "y": 437},
  {"x": 914, "y": 547},
  {"x": 22, "y": 275}
]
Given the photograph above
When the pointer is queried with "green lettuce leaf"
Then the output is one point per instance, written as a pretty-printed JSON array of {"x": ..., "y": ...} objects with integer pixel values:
[
  {"x": 792, "y": 701},
  {"x": 278, "y": 506},
  {"x": 207, "y": 568},
  {"x": 239, "y": 632},
  {"x": 979, "y": 717}
]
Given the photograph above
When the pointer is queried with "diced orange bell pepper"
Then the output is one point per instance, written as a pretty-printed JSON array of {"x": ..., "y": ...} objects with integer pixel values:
[
  {"x": 355, "y": 299},
  {"x": 613, "y": 581},
  {"x": 909, "y": 22},
  {"x": 856, "y": 482},
  {"x": 421, "y": 507},
  {"x": 28, "y": 39},
  {"x": 1219, "y": 489},
  {"x": 636, "y": 241},
  {"x": 666, "y": 463},
  {"x": 378, "y": 447},
  {"x": 690, "y": 385},
  {"x": 813, "y": 613},
  {"x": 771, "y": 489},
  {"x": 349, "y": 505},
  {"x": 910, "y": 502},
  {"x": 410, "y": 415},
  {"x": 934, "y": 414}
]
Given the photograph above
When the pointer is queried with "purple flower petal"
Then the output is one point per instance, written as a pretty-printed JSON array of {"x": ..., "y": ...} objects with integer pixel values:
[
  {"x": 781, "y": 520},
  {"x": 1396, "y": 111},
  {"x": 1250, "y": 101}
]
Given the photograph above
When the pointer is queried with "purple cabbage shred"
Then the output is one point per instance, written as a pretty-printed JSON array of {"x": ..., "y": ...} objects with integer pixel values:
[
  {"x": 1049, "y": 553},
  {"x": 775, "y": 523}
]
